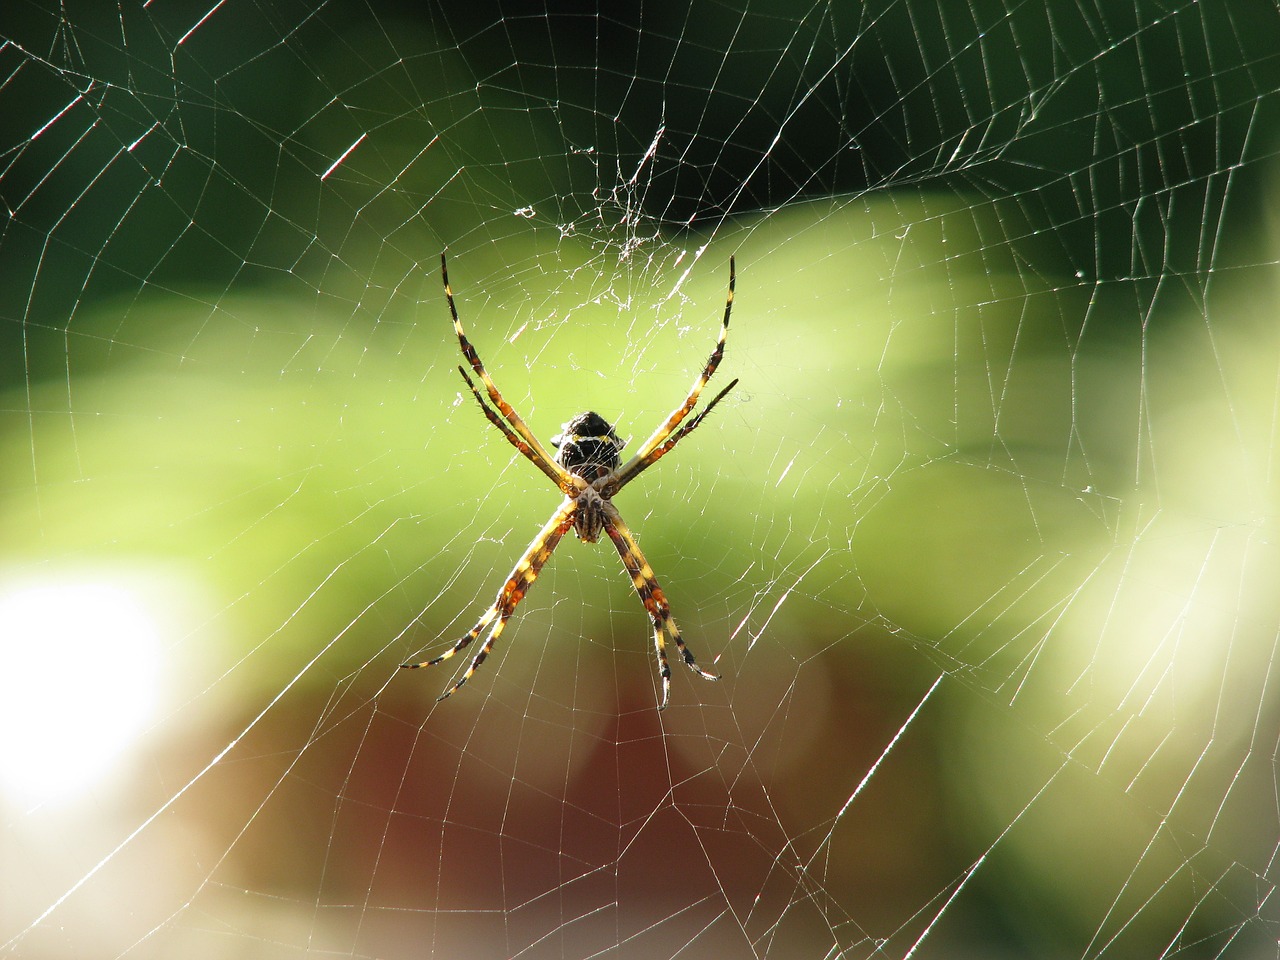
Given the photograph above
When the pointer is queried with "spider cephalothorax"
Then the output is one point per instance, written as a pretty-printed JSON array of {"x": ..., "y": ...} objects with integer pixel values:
[{"x": 589, "y": 472}]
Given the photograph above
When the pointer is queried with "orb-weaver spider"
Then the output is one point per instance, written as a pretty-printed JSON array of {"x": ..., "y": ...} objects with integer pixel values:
[{"x": 587, "y": 469}]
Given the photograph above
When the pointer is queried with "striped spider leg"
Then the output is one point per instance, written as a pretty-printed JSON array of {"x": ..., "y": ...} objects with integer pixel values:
[
  {"x": 586, "y": 468},
  {"x": 522, "y": 438},
  {"x": 512, "y": 592},
  {"x": 654, "y": 600},
  {"x": 663, "y": 439}
]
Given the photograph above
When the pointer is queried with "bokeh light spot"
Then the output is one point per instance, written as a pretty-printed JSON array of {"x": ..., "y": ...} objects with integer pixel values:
[{"x": 80, "y": 681}]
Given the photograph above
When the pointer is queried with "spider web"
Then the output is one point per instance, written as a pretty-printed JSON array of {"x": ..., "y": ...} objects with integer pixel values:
[{"x": 983, "y": 543}]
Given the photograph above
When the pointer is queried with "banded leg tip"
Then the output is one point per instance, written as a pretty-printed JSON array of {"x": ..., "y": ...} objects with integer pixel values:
[
  {"x": 424, "y": 663},
  {"x": 692, "y": 664},
  {"x": 455, "y": 688}
]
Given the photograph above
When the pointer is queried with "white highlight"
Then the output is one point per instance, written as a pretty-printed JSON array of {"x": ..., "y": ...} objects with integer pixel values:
[
  {"x": 345, "y": 153},
  {"x": 80, "y": 678}
]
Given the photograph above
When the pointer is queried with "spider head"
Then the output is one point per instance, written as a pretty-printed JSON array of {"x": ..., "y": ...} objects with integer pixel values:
[{"x": 587, "y": 446}]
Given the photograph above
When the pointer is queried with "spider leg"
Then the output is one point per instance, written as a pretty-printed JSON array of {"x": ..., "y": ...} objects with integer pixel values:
[
  {"x": 654, "y": 600},
  {"x": 637, "y": 463},
  {"x": 660, "y": 451},
  {"x": 546, "y": 463},
  {"x": 518, "y": 583},
  {"x": 517, "y": 441}
]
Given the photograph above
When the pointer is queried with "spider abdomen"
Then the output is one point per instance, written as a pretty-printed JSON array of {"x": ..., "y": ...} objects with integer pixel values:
[{"x": 588, "y": 446}]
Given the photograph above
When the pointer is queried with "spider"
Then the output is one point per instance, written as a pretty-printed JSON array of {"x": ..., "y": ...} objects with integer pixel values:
[{"x": 587, "y": 469}]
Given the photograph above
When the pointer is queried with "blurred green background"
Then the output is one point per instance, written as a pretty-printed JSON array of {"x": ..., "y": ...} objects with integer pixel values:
[{"x": 983, "y": 542}]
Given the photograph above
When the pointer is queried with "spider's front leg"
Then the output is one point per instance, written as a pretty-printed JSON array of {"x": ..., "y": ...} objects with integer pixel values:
[
  {"x": 655, "y": 601},
  {"x": 512, "y": 592},
  {"x": 522, "y": 438},
  {"x": 667, "y": 435}
]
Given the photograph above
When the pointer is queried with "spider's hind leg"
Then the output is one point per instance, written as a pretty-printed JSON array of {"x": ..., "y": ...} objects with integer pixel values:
[
  {"x": 509, "y": 597},
  {"x": 655, "y": 601}
]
